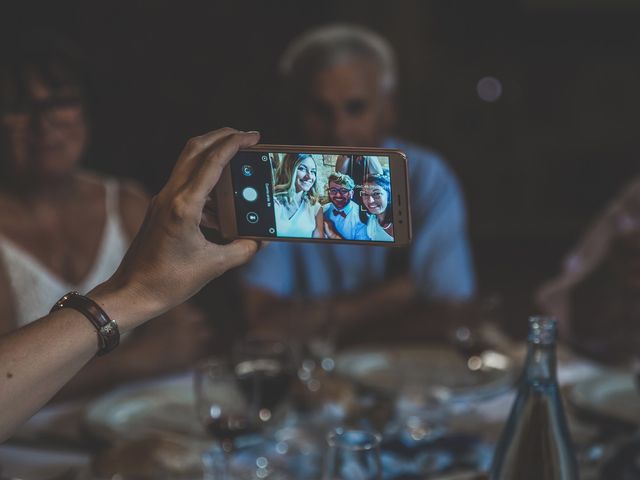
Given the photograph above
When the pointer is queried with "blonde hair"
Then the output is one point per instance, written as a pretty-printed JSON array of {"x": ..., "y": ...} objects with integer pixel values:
[{"x": 285, "y": 185}]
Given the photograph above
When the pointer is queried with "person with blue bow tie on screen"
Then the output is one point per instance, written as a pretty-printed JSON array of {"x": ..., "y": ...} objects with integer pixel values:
[{"x": 341, "y": 214}]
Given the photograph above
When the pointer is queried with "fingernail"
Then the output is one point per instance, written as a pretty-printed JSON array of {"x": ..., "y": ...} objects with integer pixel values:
[{"x": 252, "y": 131}]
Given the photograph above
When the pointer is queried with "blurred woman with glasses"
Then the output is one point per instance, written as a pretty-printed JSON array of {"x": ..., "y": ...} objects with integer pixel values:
[{"x": 62, "y": 227}]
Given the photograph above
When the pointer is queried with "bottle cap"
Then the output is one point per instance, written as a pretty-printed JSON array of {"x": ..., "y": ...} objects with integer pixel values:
[{"x": 542, "y": 330}]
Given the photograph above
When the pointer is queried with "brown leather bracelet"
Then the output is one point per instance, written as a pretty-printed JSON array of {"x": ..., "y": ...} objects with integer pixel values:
[{"x": 108, "y": 333}]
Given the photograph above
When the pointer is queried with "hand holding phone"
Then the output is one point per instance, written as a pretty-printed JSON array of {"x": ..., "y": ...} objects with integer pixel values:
[{"x": 316, "y": 194}]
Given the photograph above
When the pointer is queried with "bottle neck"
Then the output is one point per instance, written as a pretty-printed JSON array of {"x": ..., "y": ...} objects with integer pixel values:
[{"x": 540, "y": 366}]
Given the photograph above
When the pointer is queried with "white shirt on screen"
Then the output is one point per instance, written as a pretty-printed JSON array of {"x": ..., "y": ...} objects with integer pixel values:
[
  {"x": 376, "y": 232},
  {"x": 301, "y": 224}
]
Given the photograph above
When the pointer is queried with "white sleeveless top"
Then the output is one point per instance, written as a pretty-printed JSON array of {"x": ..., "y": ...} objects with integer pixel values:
[
  {"x": 376, "y": 232},
  {"x": 36, "y": 288},
  {"x": 301, "y": 224}
]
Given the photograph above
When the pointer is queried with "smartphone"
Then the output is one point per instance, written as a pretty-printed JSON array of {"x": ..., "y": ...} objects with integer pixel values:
[{"x": 316, "y": 194}]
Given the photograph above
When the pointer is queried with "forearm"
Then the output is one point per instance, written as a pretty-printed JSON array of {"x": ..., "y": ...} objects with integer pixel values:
[
  {"x": 101, "y": 373},
  {"x": 37, "y": 360}
]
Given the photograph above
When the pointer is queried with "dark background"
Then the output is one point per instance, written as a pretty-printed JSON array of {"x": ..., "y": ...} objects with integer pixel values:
[{"x": 536, "y": 165}]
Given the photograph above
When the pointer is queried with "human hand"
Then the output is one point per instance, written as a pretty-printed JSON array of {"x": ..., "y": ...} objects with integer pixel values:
[
  {"x": 330, "y": 230},
  {"x": 170, "y": 259},
  {"x": 609, "y": 249},
  {"x": 623, "y": 260}
]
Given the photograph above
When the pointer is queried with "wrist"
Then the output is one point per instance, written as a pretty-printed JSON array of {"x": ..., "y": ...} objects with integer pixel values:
[{"x": 125, "y": 304}]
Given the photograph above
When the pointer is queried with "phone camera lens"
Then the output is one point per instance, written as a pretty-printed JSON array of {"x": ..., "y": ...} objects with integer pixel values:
[{"x": 247, "y": 170}]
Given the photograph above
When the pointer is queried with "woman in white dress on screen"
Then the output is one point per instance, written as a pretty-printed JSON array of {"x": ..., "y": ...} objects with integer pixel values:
[
  {"x": 297, "y": 209},
  {"x": 376, "y": 197}
]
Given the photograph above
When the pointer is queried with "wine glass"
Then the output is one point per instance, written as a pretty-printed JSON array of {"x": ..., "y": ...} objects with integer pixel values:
[
  {"x": 353, "y": 455},
  {"x": 422, "y": 414},
  {"x": 224, "y": 413},
  {"x": 264, "y": 371},
  {"x": 317, "y": 345}
]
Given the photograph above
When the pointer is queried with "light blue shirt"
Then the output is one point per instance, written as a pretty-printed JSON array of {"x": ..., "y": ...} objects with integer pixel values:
[
  {"x": 350, "y": 227},
  {"x": 439, "y": 257}
]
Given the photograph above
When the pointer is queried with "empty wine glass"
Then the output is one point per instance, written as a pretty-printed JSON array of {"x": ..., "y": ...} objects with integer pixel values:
[
  {"x": 264, "y": 371},
  {"x": 422, "y": 414},
  {"x": 224, "y": 413},
  {"x": 353, "y": 455}
]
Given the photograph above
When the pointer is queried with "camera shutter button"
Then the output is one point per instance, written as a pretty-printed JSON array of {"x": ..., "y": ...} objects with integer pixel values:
[{"x": 250, "y": 194}]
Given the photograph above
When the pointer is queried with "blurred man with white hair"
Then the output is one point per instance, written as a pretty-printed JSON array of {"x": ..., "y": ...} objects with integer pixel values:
[{"x": 341, "y": 81}]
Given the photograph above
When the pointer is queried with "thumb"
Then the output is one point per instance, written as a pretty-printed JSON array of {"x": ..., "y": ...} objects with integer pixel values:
[{"x": 233, "y": 255}]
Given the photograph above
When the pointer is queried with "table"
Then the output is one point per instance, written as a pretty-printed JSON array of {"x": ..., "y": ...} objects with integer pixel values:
[{"x": 33, "y": 456}]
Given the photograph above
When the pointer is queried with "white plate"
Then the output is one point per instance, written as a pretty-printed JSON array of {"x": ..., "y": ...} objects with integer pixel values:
[
  {"x": 612, "y": 394},
  {"x": 391, "y": 369},
  {"x": 165, "y": 406}
]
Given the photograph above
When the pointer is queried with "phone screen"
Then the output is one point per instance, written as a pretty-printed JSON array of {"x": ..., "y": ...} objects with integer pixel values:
[{"x": 312, "y": 195}]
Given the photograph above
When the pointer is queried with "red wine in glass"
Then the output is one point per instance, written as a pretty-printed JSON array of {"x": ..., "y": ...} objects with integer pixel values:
[
  {"x": 227, "y": 428},
  {"x": 264, "y": 382}
]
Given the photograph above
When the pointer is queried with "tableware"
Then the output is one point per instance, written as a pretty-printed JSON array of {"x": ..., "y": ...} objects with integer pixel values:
[
  {"x": 131, "y": 411},
  {"x": 421, "y": 414},
  {"x": 612, "y": 395},
  {"x": 264, "y": 371},
  {"x": 224, "y": 413},
  {"x": 404, "y": 457},
  {"x": 353, "y": 455},
  {"x": 391, "y": 368}
]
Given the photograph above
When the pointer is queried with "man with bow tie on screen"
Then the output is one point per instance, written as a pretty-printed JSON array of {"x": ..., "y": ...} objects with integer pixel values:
[{"x": 341, "y": 214}]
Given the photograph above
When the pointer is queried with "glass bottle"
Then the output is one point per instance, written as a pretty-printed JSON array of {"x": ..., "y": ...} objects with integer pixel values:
[{"x": 535, "y": 443}]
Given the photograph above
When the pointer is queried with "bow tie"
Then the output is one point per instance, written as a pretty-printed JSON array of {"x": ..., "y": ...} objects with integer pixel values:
[{"x": 338, "y": 212}]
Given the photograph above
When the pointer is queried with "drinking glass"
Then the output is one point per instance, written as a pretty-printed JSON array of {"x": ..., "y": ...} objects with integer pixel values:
[
  {"x": 264, "y": 371},
  {"x": 224, "y": 413},
  {"x": 353, "y": 455},
  {"x": 421, "y": 414}
]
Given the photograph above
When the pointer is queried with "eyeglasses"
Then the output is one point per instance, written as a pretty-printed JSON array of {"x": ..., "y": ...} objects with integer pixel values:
[
  {"x": 374, "y": 195},
  {"x": 341, "y": 191},
  {"x": 40, "y": 107}
]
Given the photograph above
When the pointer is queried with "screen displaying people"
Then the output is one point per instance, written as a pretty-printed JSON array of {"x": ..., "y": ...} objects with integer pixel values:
[{"x": 314, "y": 197}]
